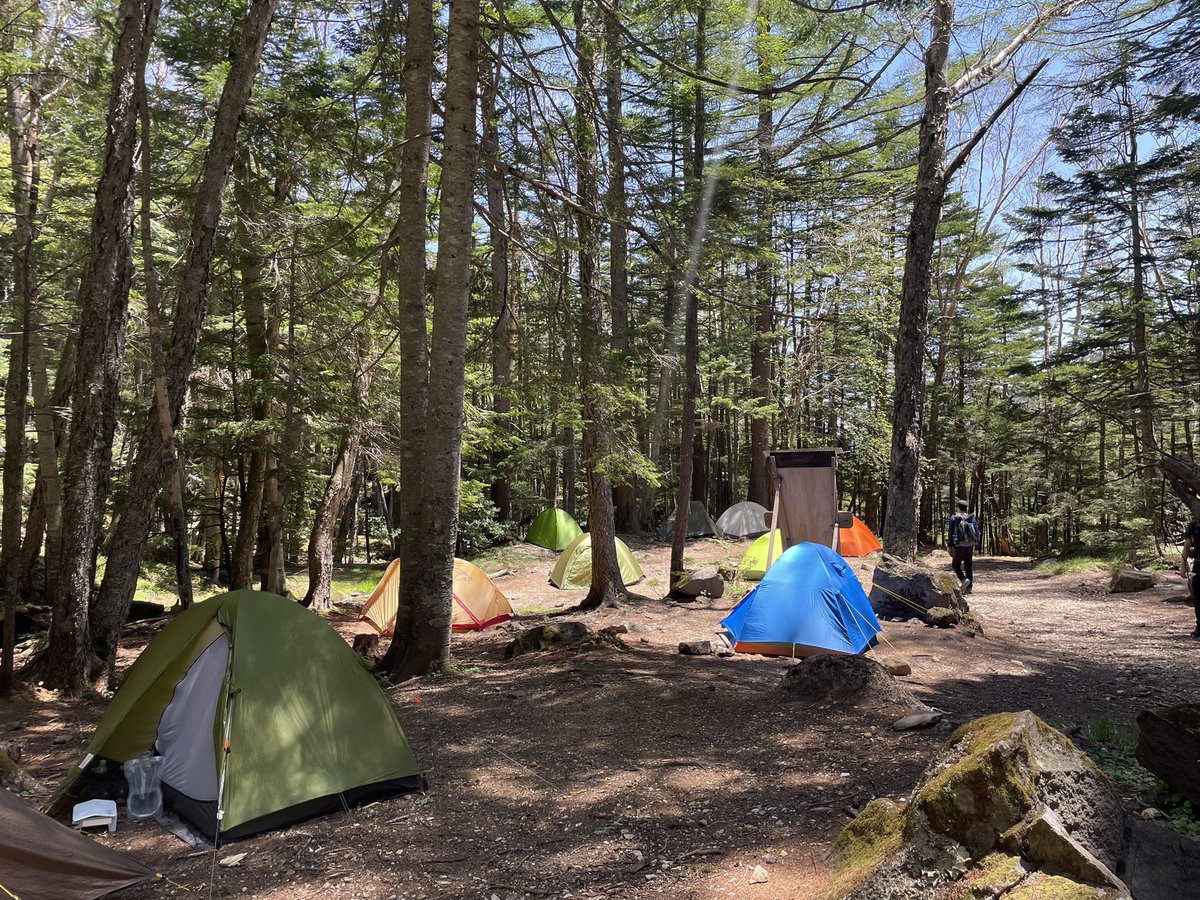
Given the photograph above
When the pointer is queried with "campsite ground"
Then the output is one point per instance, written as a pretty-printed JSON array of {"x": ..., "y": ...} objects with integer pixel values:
[{"x": 646, "y": 773}]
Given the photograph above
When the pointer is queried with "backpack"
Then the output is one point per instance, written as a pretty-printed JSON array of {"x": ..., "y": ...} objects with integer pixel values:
[{"x": 967, "y": 532}]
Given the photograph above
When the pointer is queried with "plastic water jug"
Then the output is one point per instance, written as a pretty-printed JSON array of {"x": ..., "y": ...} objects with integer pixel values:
[{"x": 144, "y": 775}]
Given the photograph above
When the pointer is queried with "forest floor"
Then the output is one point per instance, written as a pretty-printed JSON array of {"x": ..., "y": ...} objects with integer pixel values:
[{"x": 646, "y": 773}]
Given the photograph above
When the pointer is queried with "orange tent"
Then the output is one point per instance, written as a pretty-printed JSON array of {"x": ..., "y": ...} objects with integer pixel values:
[
  {"x": 858, "y": 540},
  {"x": 478, "y": 604}
]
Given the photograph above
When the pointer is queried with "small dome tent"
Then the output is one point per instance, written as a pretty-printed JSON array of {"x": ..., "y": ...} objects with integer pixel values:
[
  {"x": 263, "y": 714},
  {"x": 553, "y": 529},
  {"x": 858, "y": 540},
  {"x": 743, "y": 520},
  {"x": 754, "y": 562},
  {"x": 808, "y": 603},
  {"x": 478, "y": 604},
  {"x": 700, "y": 523},
  {"x": 573, "y": 570}
]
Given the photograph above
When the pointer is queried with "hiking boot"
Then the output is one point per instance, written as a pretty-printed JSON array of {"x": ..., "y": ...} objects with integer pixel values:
[{"x": 967, "y": 586}]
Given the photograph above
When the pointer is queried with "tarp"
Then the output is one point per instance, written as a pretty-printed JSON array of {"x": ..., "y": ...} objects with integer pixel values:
[
  {"x": 41, "y": 859},
  {"x": 553, "y": 529},
  {"x": 477, "y": 602},
  {"x": 700, "y": 523},
  {"x": 809, "y": 602},
  {"x": 858, "y": 540},
  {"x": 308, "y": 730},
  {"x": 573, "y": 570},
  {"x": 754, "y": 562},
  {"x": 742, "y": 520}
]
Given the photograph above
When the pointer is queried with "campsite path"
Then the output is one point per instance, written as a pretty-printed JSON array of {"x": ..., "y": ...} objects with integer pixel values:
[{"x": 650, "y": 774}]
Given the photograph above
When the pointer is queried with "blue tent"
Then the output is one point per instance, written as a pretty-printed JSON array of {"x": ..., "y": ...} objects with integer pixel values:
[{"x": 809, "y": 602}]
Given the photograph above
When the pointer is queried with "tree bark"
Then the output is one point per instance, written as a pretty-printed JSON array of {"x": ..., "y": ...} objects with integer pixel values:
[
  {"x": 759, "y": 489},
  {"x": 103, "y": 311},
  {"x": 146, "y": 476},
  {"x": 904, "y": 480},
  {"x": 425, "y": 645},
  {"x": 607, "y": 586},
  {"x": 339, "y": 486}
]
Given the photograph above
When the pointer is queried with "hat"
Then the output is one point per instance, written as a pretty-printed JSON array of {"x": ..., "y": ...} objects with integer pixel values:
[{"x": 962, "y": 504}]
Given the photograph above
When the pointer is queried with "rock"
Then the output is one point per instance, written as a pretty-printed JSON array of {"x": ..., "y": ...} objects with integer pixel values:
[
  {"x": 641, "y": 628},
  {"x": 1002, "y": 789},
  {"x": 606, "y": 638},
  {"x": 556, "y": 636},
  {"x": 897, "y": 665},
  {"x": 13, "y": 776},
  {"x": 367, "y": 645},
  {"x": 705, "y": 582},
  {"x": 1040, "y": 886},
  {"x": 759, "y": 876},
  {"x": 1150, "y": 813},
  {"x": 849, "y": 680},
  {"x": 696, "y": 648},
  {"x": 1169, "y": 746},
  {"x": 905, "y": 590},
  {"x": 1126, "y": 581},
  {"x": 918, "y": 720},
  {"x": 1161, "y": 865},
  {"x": 1046, "y": 842},
  {"x": 942, "y": 617}
]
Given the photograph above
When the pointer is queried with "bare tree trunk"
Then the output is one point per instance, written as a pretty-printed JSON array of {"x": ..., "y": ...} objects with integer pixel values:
[
  {"x": 624, "y": 496},
  {"x": 425, "y": 646},
  {"x": 408, "y": 245},
  {"x": 174, "y": 470},
  {"x": 904, "y": 483},
  {"x": 760, "y": 344},
  {"x": 607, "y": 586},
  {"x": 146, "y": 477},
  {"x": 103, "y": 310},
  {"x": 339, "y": 486},
  {"x": 504, "y": 342}
]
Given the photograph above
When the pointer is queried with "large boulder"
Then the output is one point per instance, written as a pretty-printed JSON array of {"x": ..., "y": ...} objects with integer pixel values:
[
  {"x": 705, "y": 582},
  {"x": 908, "y": 590},
  {"x": 1126, "y": 581},
  {"x": 1169, "y": 746},
  {"x": 1006, "y": 803},
  {"x": 1161, "y": 865},
  {"x": 848, "y": 681}
]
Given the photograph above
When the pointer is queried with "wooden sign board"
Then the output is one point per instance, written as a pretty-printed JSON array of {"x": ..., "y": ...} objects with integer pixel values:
[{"x": 806, "y": 496}]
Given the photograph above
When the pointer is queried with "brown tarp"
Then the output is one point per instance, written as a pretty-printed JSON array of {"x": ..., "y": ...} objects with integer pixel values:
[{"x": 39, "y": 858}]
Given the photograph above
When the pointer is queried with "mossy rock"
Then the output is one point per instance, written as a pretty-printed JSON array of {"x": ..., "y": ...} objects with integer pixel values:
[
  {"x": 960, "y": 831},
  {"x": 1054, "y": 887},
  {"x": 869, "y": 841}
]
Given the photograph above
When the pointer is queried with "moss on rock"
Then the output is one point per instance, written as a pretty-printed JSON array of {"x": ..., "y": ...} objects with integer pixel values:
[
  {"x": 1055, "y": 887},
  {"x": 873, "y": 836},
  {"x": 995, "y": 874}
]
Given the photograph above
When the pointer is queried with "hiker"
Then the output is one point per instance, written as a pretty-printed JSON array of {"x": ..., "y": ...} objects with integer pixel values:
[
  {"x": 1186, "y": 563},
  {"x": 963, "y": 537}
]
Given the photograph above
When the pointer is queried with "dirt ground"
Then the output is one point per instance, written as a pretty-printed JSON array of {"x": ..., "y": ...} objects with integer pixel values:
[{"x": 646, "y": 773}]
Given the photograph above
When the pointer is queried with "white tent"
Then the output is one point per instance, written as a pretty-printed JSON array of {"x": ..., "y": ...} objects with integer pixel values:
[{"x": 743, "y": 520}]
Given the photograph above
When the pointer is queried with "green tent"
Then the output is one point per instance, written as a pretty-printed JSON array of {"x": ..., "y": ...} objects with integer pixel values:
[
  {"x": 754, "y": 564},
  {"x": 553, "y": 529},
  {"x": 305, "y": 728},
  {"x": 573, "y": 570}
]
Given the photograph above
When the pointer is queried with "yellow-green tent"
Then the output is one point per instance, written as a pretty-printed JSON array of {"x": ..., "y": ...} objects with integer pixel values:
[
  {"x": 262, "y": 714},
  {"x": 553, "y": 529},
  {"x": 573, "y": 570},
  {"x": 754, "y": 564}
]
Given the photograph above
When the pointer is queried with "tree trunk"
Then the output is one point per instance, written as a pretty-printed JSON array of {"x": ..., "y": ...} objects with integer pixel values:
[
  {"x": 425, "y": 645},
  {"x": 103, "y": 310},
  {"x": 760, "y": 344},
  {"x": 146, "y": 477},
  {"x": 904, "y": 481},
  {"x": 339, "y": 486},
  {"x": 594, "y": 345}
]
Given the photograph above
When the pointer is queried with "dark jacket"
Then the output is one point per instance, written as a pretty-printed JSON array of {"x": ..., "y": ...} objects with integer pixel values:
[{"x": 955, "y": 522}]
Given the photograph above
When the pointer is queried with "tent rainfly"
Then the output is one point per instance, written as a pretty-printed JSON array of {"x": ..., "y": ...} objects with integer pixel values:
[
  {"x": 809, "y": 603},
  {"x": 478, "y": 604},
  {"x": 858, "y": 540},
  {"x": 754, "y": 562},
  {"x": 700, "y": 523},
  {"x": 743, "y": 520},
  {"x": 43, "y": 860},
  {"x": 573, "y": 571},
  {"x": 263, "y": 714},
  {"x": 553, "y": 529}
]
